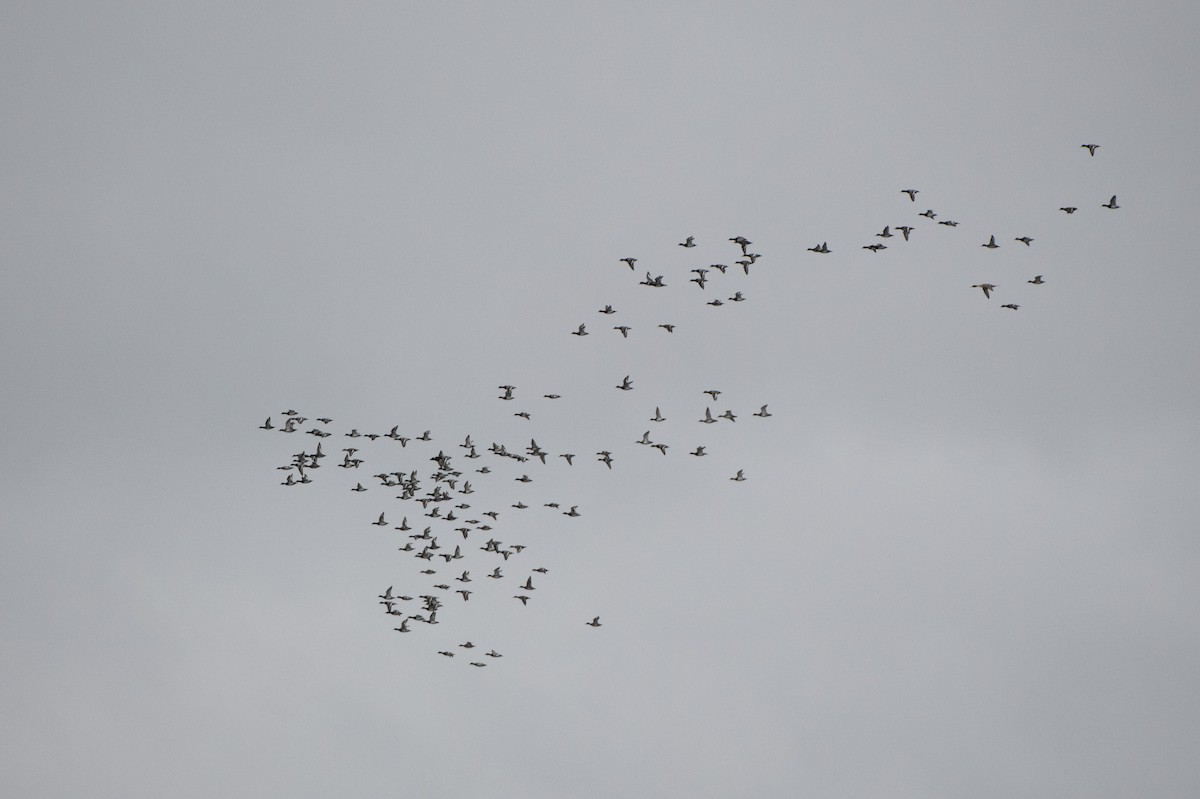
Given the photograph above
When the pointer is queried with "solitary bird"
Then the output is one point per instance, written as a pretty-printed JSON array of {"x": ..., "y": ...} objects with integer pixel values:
[
  {"x": 1091, "y": 148},
  {"x": 739, "y": 477},
  {"x": 668, "y": 328},
  {"x": 594, "y": 622},
  {"x": 1037, "y": 280}
]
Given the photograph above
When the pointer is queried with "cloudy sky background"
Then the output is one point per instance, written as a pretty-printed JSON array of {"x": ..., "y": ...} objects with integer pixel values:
[{"x": 964, "y": 560}]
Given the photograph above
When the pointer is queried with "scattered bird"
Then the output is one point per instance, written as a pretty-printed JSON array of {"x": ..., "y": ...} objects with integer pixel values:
[
  {"x": 1024, "y": 240},
  {"x": 987, "y": 288},
  {"x": 1111, "y": 203},
  {"x": 991, "y": 243},
  {"x": 912, "y": 193},
  {"x": 689, "y": 242},
  {"x": 1012, "y": 305}
]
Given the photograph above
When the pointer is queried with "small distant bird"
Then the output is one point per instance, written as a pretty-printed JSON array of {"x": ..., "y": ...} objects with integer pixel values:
[
  {"x": 266, "y": 425},
  {"x": 912, "y": 193},
  {"x": 729, "y": 415},
  {"x": 714, "y": 303},
  {"x": 737, "y": 297},
  {"x": 1024, "y": 240},
  {"x": 689, "y": 242},
  {"x": 660, "y": 447},
  {"x": 624, "y": 330},
  {"x": 1012, "y": 305},
  {"x": 658, "y": 417},
  {"x": 605, "y": 458},
  {"x": 494, "y": 654},
  {"x": 572, "y": 512},
  {"x": 905, "y": 229},
  {"x": 739, "y": 477},
  {"x": 478, "y": 664},
  {"x": 987, "y": 288},
  {"x": 594, "y": 622},
  {"x": 568, "y": 457},
  {"x": 712, "y": 392},
  {"x": 630, "y": 261},
  {"x": 698, "y": 451},
  {"x": 552, "y": 396},
  {"x": 668, "y": 328},
  {"x": 582, "y": 331},
  {"x": 1069, "y": 209},
  {"x": 358, "y": 487},
  {"x": 708, "y": 417},
  {"x": 626, "y": 384},
  {"x": 929, "y": 213},
  {"x": 875, "y": 247},
  {"x": 1111, "y": 203},
  {"x": 823, "y": 247},
  {"x": 508, "y": 392},
  {"x": 991, "y": 243},
  {"x": 763, "y": 413},
  {"x": 887, "y": 232},
  {"x": 948, "y": 223},
  {"x": 1037, "y": 280},
  {"x": 607, "y": 309},
  {"x": 380, "y": 523},
  {"x": 1091, "y": 148}
]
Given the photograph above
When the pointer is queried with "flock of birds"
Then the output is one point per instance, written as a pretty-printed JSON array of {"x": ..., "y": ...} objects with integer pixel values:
[{"x": 448, "y": 537}]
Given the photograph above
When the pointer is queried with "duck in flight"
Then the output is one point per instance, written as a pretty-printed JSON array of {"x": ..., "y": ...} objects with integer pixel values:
[
  {"x": 594, "y": 622},
  {"x": 1024, "y": 240},
  {"x": 991, "y": 243},
  {"x": 987, "y": 288},
  {"x": 689, "y": 242},
  {"x": 823, "y": 247},
  {"x": 626, "y": 384},
  {"x": 1111, "y": 203},
  {"x": 1091, "y": 148},
  {"x": 1037, "y": 280},
  {"x": 630, "y": 261},
  {"x": 912, "y": 193}
]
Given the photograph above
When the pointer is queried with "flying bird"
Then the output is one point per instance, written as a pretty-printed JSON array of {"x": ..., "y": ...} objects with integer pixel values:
[
  {"x": 987, "y": 288},
  {"x": 689, "y": 242},
  {"x": 912, "y": 193},
  {"x": 1037, "y": 280},
  {"x": 1111, "y": 203},
  {"x": 991, "y": 243},
  {"x": 1024, "y": 240},
  {"x": 1091, "y": 148}
]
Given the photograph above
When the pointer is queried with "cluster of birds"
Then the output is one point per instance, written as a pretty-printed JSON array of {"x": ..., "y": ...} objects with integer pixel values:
[{"x": 448, "y": 533}]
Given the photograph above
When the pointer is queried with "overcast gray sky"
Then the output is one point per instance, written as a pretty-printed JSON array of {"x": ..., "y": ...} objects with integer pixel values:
[{"x": 963, "y": 563}]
